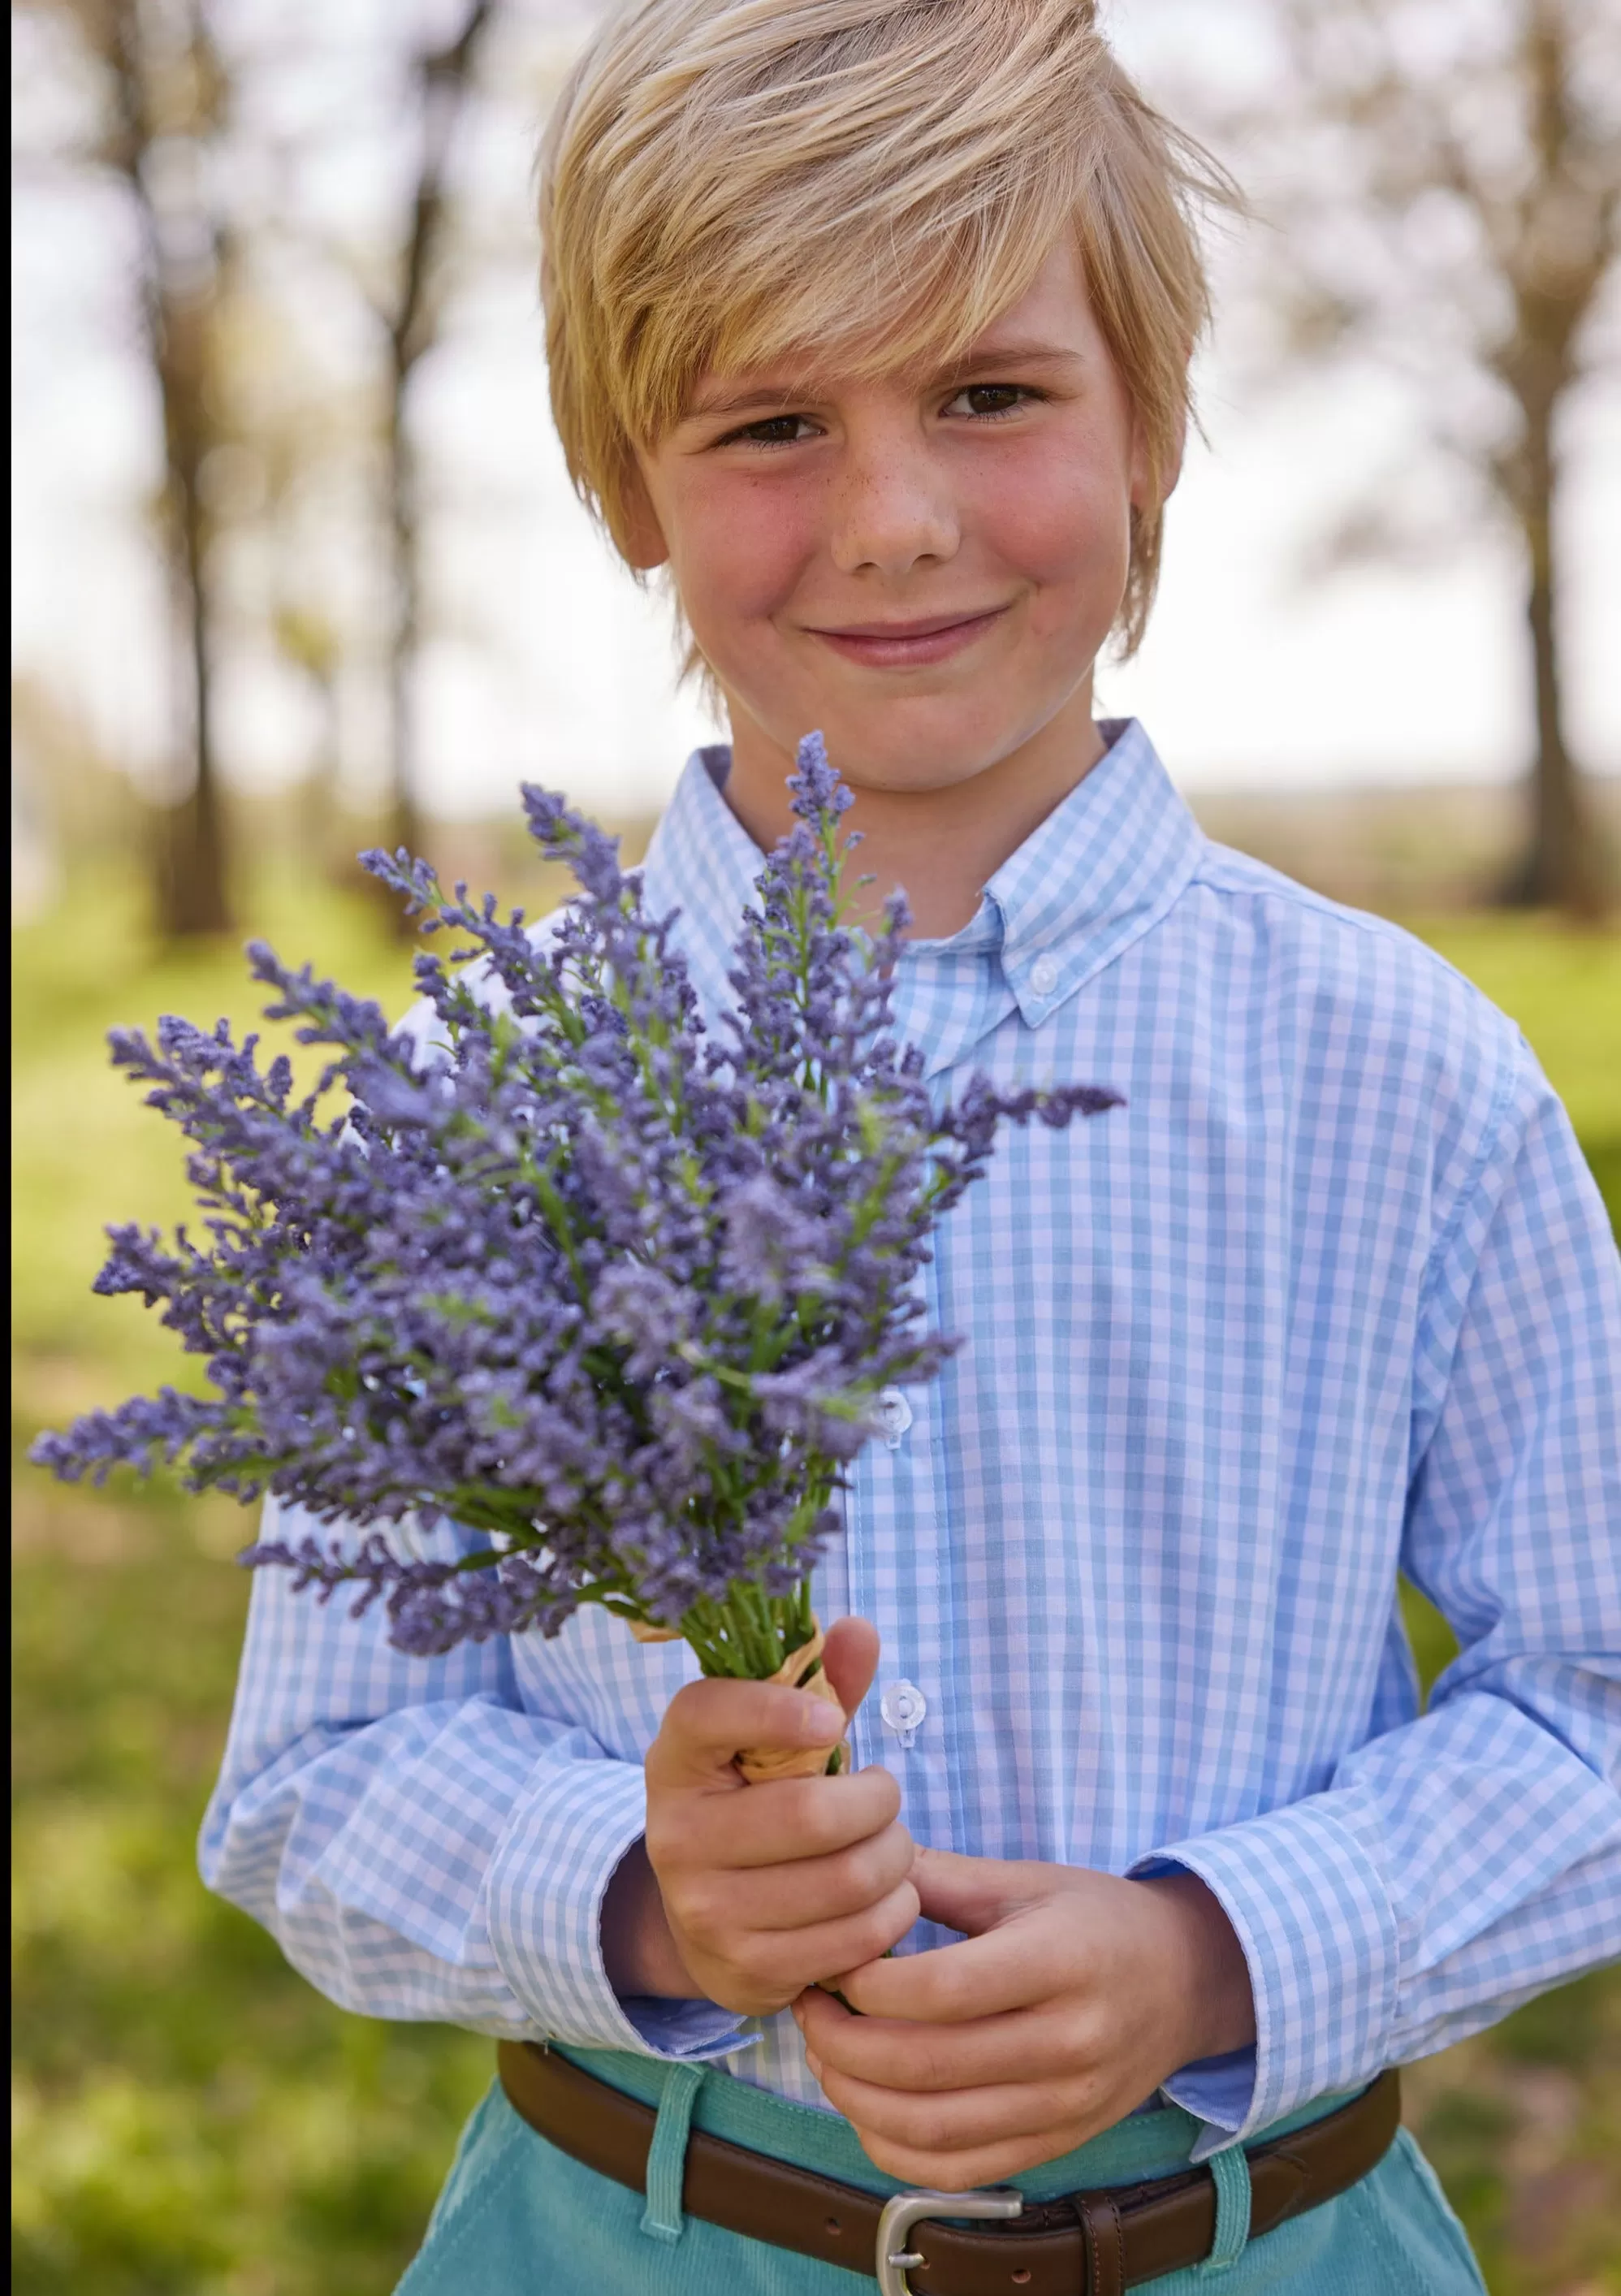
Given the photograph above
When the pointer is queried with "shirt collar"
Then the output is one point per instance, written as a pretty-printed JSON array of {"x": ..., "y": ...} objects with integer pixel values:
[{"x": 1098, "y": 871}]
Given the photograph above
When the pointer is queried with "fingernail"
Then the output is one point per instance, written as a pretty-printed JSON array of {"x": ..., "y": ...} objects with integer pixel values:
[
  {"x": 821, "y": 1727},
  {"x": 814, "y": 2062}
]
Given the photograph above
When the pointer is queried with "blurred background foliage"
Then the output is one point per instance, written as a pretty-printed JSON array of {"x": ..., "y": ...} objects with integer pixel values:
[{"x": 303, "y": 220}]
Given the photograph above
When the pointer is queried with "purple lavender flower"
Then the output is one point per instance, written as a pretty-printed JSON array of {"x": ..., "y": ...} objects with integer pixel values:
[{"x": 617, "y": 1297}]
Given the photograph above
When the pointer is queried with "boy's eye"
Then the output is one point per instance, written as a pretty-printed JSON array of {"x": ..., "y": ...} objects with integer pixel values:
[
  {"x": 991, "y": 399},
  {"x": 771, "y": 430}
]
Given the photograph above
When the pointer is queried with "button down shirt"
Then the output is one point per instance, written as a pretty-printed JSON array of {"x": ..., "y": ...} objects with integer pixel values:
[{"x": 1334, "y": 1296}]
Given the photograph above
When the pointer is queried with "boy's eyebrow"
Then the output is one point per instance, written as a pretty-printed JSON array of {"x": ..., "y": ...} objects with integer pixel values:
[
  {"x": 705, "y": 404},
  {"x": 983, "y": 358}
]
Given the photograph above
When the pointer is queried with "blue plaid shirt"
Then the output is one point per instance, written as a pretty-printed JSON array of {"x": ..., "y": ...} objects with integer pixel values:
[{"x": 1333, "y": 1296}]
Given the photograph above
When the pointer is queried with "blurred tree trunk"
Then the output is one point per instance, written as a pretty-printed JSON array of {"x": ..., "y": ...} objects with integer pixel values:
[
  {"x": 192, "y": 896},
  {"x": 1564, "y": 862},
  {"x": 171, "y": 97},
  {"x": 1554, "y": 266},
  {"x": 441, "y": 80}
]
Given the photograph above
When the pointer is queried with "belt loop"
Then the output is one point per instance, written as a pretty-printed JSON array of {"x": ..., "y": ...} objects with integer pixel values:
[
  {"x": 1231, "y": 2169},
  {"x": 1105, "y": 2243},
  {"x": 666, "y": 2155}
]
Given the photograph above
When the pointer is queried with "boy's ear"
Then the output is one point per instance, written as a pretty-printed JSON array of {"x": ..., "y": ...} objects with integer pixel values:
[
  {"x": 1144, "y": 497},
  {"x": 643, "y": 541}
]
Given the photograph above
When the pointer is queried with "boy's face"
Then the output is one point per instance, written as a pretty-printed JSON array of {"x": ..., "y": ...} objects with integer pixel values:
[{"x": 924, "y": 566}]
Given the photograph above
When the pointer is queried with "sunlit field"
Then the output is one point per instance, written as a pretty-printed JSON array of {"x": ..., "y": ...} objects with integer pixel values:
[{"x": 189, "y": 2117}]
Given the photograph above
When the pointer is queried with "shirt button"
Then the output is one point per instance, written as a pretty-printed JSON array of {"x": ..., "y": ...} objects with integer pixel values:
[
  {"x": 903, "y": 1706},
  {"x": 894, "y": 1416},
  {"x": 1043, "y": 976}
]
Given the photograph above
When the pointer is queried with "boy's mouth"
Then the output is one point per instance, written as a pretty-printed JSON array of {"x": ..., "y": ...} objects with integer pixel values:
[{"x": 908, "y": 645}]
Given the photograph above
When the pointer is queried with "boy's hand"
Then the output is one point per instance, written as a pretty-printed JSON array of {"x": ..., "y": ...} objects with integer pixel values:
[
  {"x": 747, "y": 1894},
  {"x": 1074, "y": 1996}
]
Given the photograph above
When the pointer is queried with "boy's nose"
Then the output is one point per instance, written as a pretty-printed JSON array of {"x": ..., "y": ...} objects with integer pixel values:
[{"x": 892, "y": 513}]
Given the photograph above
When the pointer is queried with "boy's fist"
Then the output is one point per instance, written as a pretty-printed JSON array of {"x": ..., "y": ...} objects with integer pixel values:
[
  {"x": 748, "y": 1901},
  {"x": 1074, "y": 1995}
]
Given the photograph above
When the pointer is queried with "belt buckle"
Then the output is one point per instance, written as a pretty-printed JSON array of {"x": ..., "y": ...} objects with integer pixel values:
[{"x": 904, "y": 2209}]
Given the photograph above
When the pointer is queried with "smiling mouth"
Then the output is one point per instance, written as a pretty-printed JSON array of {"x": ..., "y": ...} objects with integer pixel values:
[{"x": 906, "y": 646}]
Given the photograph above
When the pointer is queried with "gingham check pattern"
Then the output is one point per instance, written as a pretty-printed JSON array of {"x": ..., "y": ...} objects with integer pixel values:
[{"x": 1334, "y": 1294}]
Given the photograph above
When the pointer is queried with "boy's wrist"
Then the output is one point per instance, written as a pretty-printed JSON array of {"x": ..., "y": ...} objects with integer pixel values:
[
  {"x": 1217, "y": 2000},
  {"x": 639, "y": 1950}
]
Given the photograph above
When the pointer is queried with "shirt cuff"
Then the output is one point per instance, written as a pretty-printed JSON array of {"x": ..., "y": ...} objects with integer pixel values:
[
  {"x": 695, "y": 2030},
  {"x": 1305, "y": 1896},
  {"x": 1219, "y": 2091},
  {"x": 548, "y": 1878}
]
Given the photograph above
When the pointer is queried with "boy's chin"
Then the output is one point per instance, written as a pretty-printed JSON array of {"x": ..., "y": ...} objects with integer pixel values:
[
  {"x": 925, "y": 755},
  {"x": 924, "y": 742},
  {"x": 956, "y": 725}
]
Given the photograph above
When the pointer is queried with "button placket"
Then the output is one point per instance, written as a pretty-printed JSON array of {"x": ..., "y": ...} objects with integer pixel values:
[{"x": 893, "y": 1564}]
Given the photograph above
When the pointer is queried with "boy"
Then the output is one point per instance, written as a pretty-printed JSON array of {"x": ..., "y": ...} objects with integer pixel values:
[{"x": 871, "y": 320}]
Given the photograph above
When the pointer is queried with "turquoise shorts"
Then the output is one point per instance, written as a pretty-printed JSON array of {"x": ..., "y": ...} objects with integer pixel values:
[{"x": 518, "y": 2218}]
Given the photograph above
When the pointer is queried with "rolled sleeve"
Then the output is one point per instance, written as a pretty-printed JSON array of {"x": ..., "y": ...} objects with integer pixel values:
[
  {"x": 1321, "y": 1938},
  {"x": 419, "y": 1845},
  {"x": 567, "y": 1836}
]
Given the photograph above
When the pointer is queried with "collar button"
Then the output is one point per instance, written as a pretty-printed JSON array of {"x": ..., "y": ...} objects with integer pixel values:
[{"x": 1043, "y": 976}]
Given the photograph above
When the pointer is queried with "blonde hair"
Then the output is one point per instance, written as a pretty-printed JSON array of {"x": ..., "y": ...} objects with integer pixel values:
[{"x": 729, "y": 183}]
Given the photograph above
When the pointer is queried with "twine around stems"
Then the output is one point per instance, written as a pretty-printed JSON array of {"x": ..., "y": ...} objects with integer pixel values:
[{"x": 802, "y": 1669}]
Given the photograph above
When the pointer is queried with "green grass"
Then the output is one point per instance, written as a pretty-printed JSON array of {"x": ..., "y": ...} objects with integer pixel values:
[
  {"x": 187, "y": 2115},
  {"x": 190, "y": 2119}
]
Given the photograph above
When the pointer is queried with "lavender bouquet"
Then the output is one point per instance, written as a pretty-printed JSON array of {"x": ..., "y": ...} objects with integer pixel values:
[{"x": 615, "y": 1296}]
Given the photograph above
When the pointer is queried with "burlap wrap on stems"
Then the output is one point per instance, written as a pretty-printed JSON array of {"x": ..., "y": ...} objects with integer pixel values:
[{"x": 757, "y": 1764}]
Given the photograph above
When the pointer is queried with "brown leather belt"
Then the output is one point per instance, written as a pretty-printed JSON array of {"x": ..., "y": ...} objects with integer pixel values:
[{"x": 1094, "y": 2244}]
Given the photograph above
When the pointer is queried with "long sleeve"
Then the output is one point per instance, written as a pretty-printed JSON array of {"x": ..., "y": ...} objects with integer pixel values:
[
  {"x": 418, "y": 1844},
  {"x": 1471, "y": 1858}
]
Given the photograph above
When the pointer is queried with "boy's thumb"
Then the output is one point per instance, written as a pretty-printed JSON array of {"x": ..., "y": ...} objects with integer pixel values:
[
  {"x": 849, "y": 1659},
  {"x": 970, "y": 1894}
]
